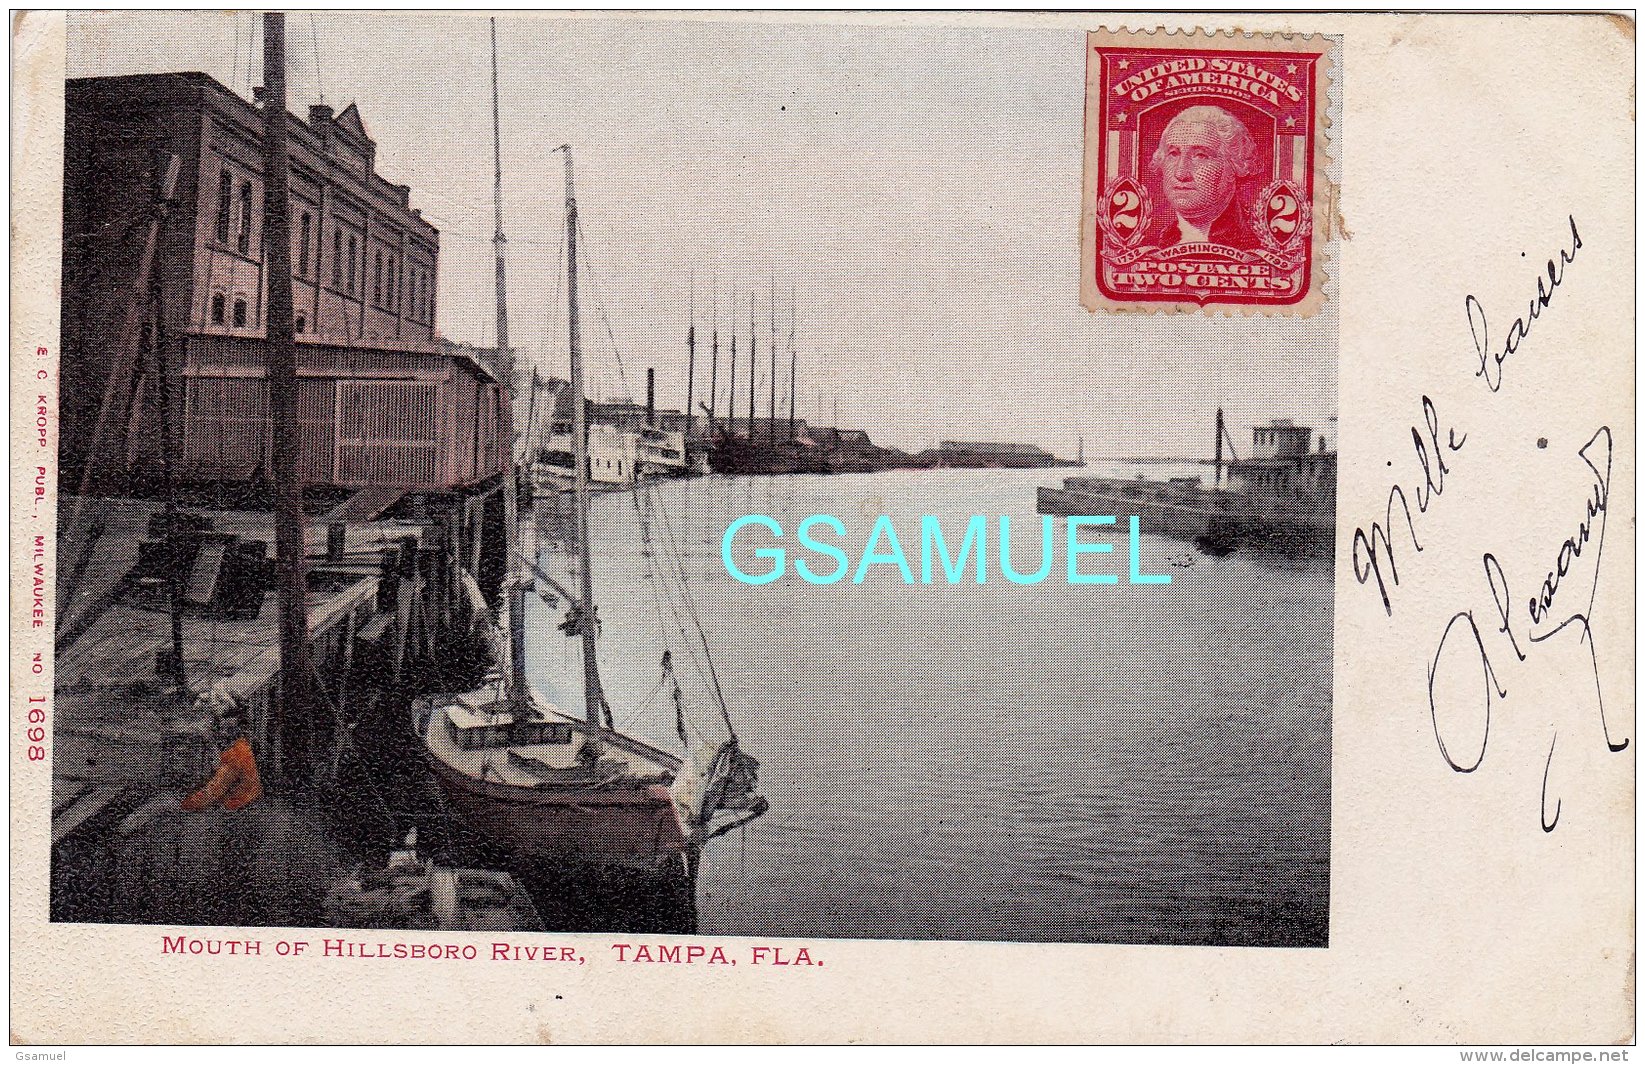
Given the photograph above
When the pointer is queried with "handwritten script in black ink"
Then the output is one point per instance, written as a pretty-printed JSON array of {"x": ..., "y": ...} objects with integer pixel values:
[
  {"x": 1458, "y": 709},
  {"x": 1545, "y": 618},
  {"x": 1490, "y": 362},
  {"x": 1372, "y": 549}
]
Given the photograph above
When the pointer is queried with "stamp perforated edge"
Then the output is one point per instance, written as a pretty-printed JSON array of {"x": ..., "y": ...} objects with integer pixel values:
[{"x": 1327, "y": 191}]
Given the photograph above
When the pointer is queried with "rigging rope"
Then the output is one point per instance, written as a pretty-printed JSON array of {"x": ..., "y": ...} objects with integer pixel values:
[
  {"x": 599, "y": 306},
  {"x": 675, "y": 582},
  {"x": 549, "y": 330},
  {"x": 696, "y": 620},
  {"x": 655, "y": 579},
  {"x": 671, "y": 553}
]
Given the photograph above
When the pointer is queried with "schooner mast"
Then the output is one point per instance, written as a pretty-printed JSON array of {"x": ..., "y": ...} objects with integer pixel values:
[
  {"x": 714, "y": 352},
  {"x": 792, "y": 358},
  {"x": 771, "y": 405},
  {"x": 731, "y": 394},
  {"x": 513, "y": 586},
  {"x": 753, "y": 361},
  {"x": 691, "y": 362},
  {"x": 584, "y": 615}
]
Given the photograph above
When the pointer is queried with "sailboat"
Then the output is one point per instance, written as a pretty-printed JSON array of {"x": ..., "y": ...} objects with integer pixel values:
[
  {"x": 761, "y": 450},
  {"x": 538, "y": 779}
]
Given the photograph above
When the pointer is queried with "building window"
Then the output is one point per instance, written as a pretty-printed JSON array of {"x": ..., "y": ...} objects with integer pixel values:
[
  {"x": 428, "y": 300},
  {"x": 353, "y": 257},
  {"x": 217, "y": 309},
  {"x": 225, "y": 198},
  {"x": 302, "y": 247},
  {"x": 302, "y": 324},
  {"x": 239, "y": 314},
  {"x": 377, "y": 280},
  {"x": 391, "y": 290},
  {"x": 244, "y": 240},
  {"x": 337, "y": 258}
]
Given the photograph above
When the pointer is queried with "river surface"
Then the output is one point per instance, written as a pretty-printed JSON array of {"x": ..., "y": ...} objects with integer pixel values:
[{"x": 1048, "y": 762}]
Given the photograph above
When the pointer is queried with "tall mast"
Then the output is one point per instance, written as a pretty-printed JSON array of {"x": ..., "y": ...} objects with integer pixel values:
[
  {"x": 731, "y": 393},
  {"x": 771, "y": 404},
  {"x": 513, "y": 588},
  {"x": 791, "y": 361},
  {"x": 714, "y": 353},
  {"x": 296, "y": 661},
  {"x": 753, "y": 361},
  {"x": 1220, "y": 431},
  {"x": 691, "y": 360},
  {"x": 592, "y": 698}
]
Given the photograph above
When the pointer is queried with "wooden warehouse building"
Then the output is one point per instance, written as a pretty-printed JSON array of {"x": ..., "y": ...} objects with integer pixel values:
[{"x": 381, "y": 404}]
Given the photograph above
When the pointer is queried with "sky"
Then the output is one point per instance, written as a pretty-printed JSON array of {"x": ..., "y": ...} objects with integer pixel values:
[{"x": 916, "y": 187}]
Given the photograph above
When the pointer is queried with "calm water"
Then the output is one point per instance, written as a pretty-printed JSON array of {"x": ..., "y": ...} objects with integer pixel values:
[{"x": 1093, "y": 763}]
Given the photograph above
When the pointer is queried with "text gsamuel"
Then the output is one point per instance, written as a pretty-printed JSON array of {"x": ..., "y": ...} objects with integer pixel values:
[{"x": 829, "y": 563}]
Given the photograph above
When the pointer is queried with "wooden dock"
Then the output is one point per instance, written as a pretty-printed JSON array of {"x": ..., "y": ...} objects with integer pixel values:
[{"x": 385, "y": 608}]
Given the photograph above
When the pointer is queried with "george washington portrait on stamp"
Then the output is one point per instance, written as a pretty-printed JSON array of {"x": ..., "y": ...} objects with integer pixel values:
[{"x": 1204, "y": 161}]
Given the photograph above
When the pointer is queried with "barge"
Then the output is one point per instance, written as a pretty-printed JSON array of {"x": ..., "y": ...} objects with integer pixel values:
[{"x": 1282, "y": 499}]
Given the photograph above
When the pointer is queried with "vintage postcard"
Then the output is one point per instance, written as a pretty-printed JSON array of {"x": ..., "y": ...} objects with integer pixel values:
[{"x": 783, "y": 527}]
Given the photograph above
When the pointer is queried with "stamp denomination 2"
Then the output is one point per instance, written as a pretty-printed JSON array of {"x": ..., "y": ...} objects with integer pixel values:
[{"x": 1204, "y": 162}]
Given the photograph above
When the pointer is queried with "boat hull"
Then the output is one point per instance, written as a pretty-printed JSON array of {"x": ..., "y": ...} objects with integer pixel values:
[
  {"x": 740, "y": 458},
  {"x": 636, "y": 825}
]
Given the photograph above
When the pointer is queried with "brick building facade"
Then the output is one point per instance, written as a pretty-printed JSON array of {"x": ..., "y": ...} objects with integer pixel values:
[{"x": 380, "y": 402}]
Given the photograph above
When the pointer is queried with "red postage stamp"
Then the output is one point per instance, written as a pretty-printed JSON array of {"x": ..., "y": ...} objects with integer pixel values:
[{"x": 1204, "y": 173}]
